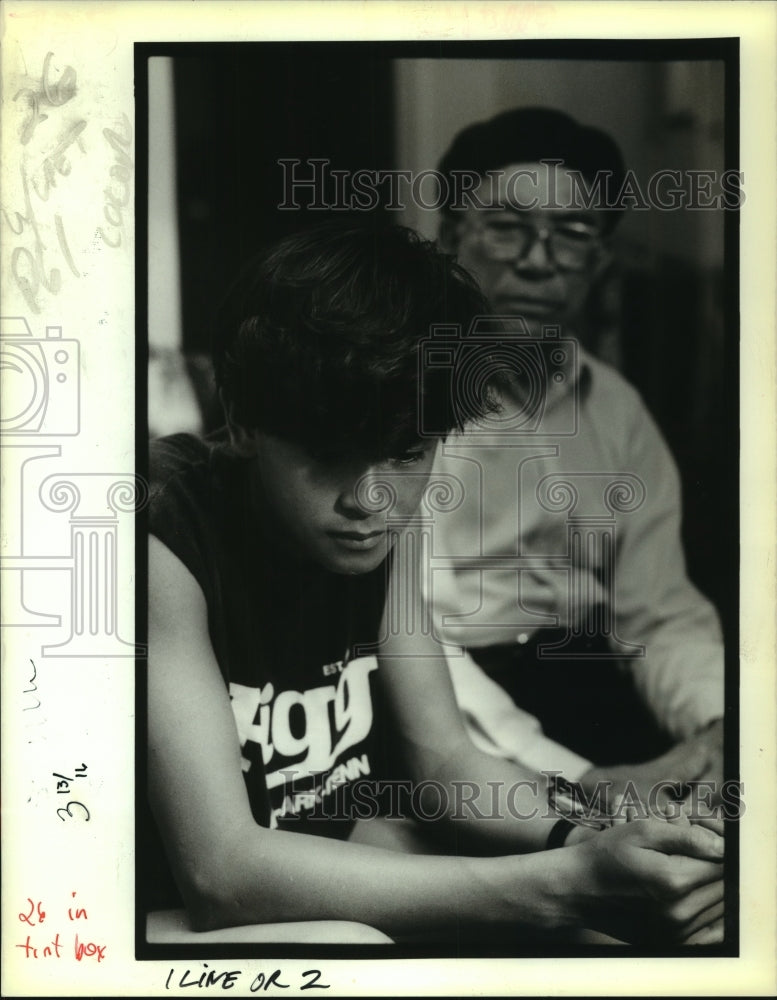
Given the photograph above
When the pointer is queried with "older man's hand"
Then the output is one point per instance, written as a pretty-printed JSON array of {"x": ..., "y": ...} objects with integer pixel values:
[{"x": 691, "y": 774}]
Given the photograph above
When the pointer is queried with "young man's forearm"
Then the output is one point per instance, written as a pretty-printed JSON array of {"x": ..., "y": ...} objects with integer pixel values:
[
  {"x": 642, "y": 876},
  {"x": 496, "y": 805},
  {"x": 275, "y": 876}
]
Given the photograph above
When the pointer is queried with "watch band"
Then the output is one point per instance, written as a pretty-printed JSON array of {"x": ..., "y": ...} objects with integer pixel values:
[{"x": 559, "y": 832}]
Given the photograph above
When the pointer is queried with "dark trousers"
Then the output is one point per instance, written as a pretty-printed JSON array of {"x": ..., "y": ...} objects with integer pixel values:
[{"x": 586, "y": 703}]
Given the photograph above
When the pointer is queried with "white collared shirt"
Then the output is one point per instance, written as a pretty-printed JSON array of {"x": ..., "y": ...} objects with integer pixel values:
[{"x": 559, "y": 514}]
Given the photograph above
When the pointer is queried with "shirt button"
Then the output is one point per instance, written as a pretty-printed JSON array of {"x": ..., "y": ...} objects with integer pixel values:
[{"x": 522, "y": 638}]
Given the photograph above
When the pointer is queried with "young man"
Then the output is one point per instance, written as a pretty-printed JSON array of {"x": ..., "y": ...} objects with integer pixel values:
[
  {"x": 572, "y": 497},
  {"x": 271, "y": 556}
]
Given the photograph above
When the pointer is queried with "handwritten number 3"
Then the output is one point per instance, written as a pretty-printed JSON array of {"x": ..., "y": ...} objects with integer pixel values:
[{"x": 66, "y": 809}]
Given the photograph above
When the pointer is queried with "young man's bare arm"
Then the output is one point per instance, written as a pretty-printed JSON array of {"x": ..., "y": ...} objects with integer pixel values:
[
  {"x": 232, "y": 871},
  {"x": 432, "y": 737}
]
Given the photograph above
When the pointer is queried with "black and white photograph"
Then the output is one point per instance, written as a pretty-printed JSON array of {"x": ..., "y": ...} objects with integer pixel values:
[
  {"x": 442, "y": 425},
  {"x": 388, "y": 455}
]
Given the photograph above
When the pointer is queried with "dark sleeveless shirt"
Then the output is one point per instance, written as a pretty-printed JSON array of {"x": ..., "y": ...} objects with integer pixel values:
[{"x": 286, "y": 636}]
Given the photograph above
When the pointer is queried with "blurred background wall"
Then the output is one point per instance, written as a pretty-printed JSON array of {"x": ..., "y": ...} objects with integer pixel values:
[
  {"x": 657, "y": 111},
  {"x": 224, "y": 115}
]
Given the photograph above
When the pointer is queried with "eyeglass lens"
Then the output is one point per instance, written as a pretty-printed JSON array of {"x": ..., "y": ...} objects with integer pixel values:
[{"x": 569, "y": 246}]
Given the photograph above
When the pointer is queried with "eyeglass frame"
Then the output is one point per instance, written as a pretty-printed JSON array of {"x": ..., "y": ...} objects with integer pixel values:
[{"x": 543, "y": 232}]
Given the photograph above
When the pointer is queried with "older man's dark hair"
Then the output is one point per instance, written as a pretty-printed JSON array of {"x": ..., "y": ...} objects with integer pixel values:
[{"x": 531, "y": 135}]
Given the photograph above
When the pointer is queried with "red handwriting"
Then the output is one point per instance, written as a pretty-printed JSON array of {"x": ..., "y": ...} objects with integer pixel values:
[
  {"x": 46, "y": 947},
  {"x": 80, "y": 911},
  {"x": 41, "y": 913},
  {"x": 89, "y": 950},
  {"x": 30, "y": 951}
]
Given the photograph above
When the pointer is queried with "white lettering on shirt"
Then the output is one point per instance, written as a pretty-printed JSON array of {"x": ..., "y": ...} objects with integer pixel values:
[{"x": 300, "y": 722}]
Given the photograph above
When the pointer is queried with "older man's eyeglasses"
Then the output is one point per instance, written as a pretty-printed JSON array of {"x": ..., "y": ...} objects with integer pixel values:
[{"x": 569, "y": 244}]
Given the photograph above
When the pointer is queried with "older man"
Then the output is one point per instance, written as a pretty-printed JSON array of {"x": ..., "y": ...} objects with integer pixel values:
[{"x": 561, "y": 574}]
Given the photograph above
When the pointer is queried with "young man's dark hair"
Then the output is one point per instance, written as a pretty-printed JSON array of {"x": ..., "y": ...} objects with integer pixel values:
[
  {"x": 532, "y": 135},
  {"x": 318, "y": 341}
]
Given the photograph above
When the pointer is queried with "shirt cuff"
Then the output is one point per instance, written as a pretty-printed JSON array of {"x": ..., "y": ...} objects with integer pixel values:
[
  {"x": 497, "y": 726},
  {"x": 702, "y": 706}
]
